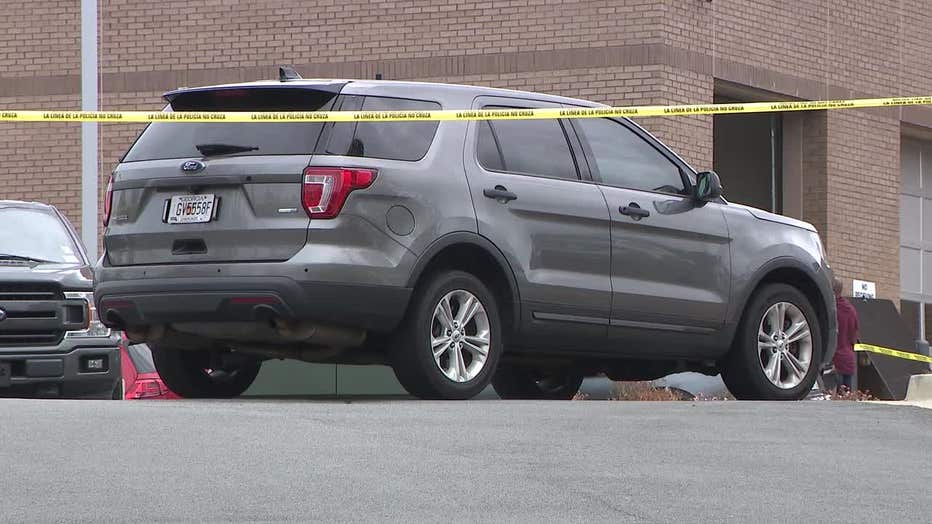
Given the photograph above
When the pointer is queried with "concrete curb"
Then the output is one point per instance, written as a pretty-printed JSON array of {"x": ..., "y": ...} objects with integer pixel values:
[{"x": 919, "y": 388}]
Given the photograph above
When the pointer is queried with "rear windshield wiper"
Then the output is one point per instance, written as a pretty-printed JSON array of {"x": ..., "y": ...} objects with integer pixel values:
[
  {"x": 223, "y": 149},
  {"x": 26, "y": 259}
]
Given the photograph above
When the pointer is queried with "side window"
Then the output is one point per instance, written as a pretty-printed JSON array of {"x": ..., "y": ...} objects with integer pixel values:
[
  {"x": 625, "y": 159},
  {"x": 490, "y": 155},
  {"x": 389, "y": 140},
  {"x": 532, "y": 147}
]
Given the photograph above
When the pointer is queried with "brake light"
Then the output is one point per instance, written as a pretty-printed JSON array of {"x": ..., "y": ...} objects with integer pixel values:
[
  {"x": 325, "y": 188},
  {"x": 108, "y": 201},
  {"x": 146, "y": 388}
]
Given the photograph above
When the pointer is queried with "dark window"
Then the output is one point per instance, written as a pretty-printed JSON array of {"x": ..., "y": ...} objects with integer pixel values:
[
  {"x": 37, "y": 234},
  {"x": 625, "y": 159},
  {"x": 533, "y": 147},
  {"x": 175, "y": 140},
  {"x": 490, "y": 156},
  {"x": 389, "y": 140}
]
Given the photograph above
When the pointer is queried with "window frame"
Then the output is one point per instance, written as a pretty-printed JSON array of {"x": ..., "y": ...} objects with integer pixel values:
[
  {"x": 582, "y": 172},
  {"x": 355, "y": 102},
  {"x": 76, "y": 244},
  {"x": 329, "y": 106},
  {"x": 686, "y": 174}
]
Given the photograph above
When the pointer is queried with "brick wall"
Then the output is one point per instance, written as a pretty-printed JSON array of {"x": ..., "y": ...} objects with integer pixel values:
[
  {"x": 863, "y": 198},
  {"x": 38, "y": 38},
  {"x": 826, "y": 49},
  {"x": 815, "y": 170},
  {"x": 42, "y": 161},
  {"x": 614, "y": 51},
  {"x": 179, "y": 34}
]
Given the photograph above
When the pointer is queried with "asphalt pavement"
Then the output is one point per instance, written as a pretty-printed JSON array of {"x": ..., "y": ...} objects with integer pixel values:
[{"x": 479, "y": 461}]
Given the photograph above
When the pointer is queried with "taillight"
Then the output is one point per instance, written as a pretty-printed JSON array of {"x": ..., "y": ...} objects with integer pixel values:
[
  {"x": 146, "y": 388},
  {"x": 325, "y": 188},
  {"x": 108, "y": 201}
]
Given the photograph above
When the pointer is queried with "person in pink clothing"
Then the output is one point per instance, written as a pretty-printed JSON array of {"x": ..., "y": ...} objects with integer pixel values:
[{"x": 844, "y": 361}]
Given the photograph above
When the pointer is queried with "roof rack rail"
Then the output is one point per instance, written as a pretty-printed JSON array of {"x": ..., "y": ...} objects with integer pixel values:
[{"x": 286, "y": 73}]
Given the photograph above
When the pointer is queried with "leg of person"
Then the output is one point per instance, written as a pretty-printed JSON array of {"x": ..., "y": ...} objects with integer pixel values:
[{"x": 845, "y": 381}]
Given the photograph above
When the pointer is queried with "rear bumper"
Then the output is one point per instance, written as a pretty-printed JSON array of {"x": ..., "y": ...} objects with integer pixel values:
[
  {"x": 40, "y": 373},
  {"x": 143, "y": 302}
]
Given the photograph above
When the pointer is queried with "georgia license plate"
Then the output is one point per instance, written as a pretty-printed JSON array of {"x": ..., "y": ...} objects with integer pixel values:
[{"x": 190, "y": 209}]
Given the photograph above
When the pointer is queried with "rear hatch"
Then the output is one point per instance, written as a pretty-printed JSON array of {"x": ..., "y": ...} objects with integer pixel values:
[{"x": 217, "y": 192}]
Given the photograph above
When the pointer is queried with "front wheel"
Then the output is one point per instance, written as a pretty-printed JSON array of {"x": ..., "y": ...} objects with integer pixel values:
[
  {"x": 450, "y": 342},
  {"x": 519, "y": 382},
  {"x": 778, "y": 347},
  {"x": 199, "y": 374}
]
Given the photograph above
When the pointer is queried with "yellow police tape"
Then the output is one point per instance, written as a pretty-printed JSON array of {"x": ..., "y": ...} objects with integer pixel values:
[
  {"x": 453, "y": 114},
  {"x": 893, "y": 353}
]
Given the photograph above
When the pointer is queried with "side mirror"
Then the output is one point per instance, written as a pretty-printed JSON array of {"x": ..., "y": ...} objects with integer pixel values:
[{"x": 708, "y": 186}]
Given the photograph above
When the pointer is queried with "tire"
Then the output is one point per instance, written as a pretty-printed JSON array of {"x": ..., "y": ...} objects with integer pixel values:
[
  {"x": 518, "y": 382},
  {"x": 412, "y": 354},
  {"x": 186, "y": 373},
  {"x": 744, "y": 368}
]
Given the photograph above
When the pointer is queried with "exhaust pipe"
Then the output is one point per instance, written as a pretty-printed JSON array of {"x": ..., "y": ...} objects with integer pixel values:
[
  {"x": 114, "y": 320},
  {"x": 332, "y": 336},
  {"x": 276, "y": 331},
  {"x": 137, "y": 335}
]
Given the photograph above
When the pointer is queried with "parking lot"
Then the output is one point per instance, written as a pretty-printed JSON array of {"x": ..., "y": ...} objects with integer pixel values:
[{"x": 493, "y": 461}]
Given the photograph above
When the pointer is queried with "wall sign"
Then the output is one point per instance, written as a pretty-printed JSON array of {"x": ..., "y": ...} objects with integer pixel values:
[{"x": 864, "y": 289}]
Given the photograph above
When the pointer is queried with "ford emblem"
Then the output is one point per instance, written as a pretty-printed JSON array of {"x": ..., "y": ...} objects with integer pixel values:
[
  {"x": 2, "y": 315},
  {"x": 192, "y": 166}
]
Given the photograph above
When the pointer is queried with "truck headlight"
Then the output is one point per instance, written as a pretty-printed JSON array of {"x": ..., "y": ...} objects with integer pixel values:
[{"x": 94, "y": 327}]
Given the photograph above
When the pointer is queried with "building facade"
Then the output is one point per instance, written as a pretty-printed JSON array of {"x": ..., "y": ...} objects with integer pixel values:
[{"x": 863, "y": 177}]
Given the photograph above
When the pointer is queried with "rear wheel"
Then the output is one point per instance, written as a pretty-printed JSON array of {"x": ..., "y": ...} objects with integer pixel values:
[
  {"x": 778, "y": 347},
  {"x": 519, "y": 382},
  {"x": 199, "y": 374},
  {"x": 450, "y": 342}
]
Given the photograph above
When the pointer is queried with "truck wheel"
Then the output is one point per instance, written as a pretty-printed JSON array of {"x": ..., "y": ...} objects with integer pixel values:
[
  {"x": 189, "y": 373},
  {"x": 450, "y": 342},
  {"x": 517, "y": 382},
  {"x": 777, "y": 350}
]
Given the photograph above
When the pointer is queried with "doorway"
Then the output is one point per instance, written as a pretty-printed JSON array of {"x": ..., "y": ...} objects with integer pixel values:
[{"x": 748, "y": 153}]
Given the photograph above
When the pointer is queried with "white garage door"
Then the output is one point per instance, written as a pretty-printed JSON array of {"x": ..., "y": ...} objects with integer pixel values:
[{"x": 916, "y": 228}]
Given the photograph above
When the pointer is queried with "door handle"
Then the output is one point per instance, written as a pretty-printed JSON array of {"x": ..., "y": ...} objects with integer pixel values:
[
  {"x": 500, "y": 193},
  {"x": 634, "y": 211}
]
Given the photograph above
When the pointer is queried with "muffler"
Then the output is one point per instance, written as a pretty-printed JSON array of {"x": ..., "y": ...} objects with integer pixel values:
[
  {"x": 276, "y": 331},
  {"x": 138, "y": 335},
  {"x": 314, "y": 333}
]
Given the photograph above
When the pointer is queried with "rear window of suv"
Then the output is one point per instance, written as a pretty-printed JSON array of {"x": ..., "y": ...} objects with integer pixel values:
[{"x": 163, "y": 140}]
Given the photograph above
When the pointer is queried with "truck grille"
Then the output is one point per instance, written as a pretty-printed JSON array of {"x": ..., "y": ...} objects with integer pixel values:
[
  {"x": 36, "y": 315},
  {"x": 12, "y": 292},
  {"x": 50, "y": 338}
]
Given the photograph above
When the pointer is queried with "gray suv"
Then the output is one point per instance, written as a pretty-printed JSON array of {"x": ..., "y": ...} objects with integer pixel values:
[{"x": 527, "y": 254}]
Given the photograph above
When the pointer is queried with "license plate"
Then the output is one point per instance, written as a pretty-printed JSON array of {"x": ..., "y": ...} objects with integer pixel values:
[
  {"x": 190, "y": 209},
  {"x": 5, "y": 374}
]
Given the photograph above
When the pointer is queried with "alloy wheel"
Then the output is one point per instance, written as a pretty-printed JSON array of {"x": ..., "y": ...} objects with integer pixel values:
[
  {"x": 784, "y": 344},
  {"x": 460, "y": 335}
]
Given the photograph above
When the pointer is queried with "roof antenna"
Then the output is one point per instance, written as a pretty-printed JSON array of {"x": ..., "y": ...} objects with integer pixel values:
[{"x": 286, "y": 73}]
